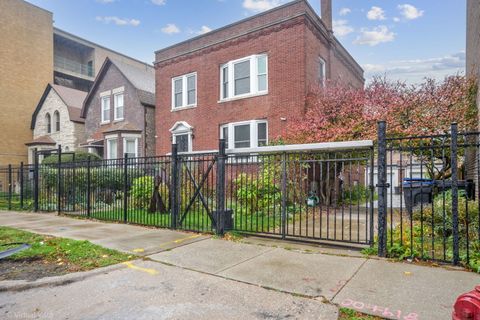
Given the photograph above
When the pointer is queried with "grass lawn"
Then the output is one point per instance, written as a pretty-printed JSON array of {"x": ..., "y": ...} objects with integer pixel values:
[
  {"x": 348, "y": 314},
  {"x": 49, "y": 256}
]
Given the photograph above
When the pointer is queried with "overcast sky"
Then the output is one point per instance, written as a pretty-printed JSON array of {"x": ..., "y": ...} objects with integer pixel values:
[{"x": 406, "y": 40}]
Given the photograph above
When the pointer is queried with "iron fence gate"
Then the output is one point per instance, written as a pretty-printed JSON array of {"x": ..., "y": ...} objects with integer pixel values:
[
  {"x": 428, "y": 196},
  {"x": 316, "y": 192}
]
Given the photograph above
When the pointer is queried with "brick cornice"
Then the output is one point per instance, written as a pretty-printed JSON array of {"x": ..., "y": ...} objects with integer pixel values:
[{"x": 276, "y": 27}]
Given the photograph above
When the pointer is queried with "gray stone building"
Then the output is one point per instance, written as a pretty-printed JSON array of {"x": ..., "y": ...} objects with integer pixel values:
[
  {"x": 56, "y": 120},
  {"x": 119, "y": 111}
]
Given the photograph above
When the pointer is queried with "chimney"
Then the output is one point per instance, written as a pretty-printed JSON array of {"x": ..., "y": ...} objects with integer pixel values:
[{"x": 326, "y": 8}]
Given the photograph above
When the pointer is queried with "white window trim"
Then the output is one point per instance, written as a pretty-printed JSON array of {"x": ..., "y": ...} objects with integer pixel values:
[
  {"x": 322, "y": 64},
  {"x": 184, "y": 92},
  {"x": 103, "y": 121},
  {"x": 108, "y": 147},
  {"x": 253, "y": 78},
  {"x": 115, "y": 116},
  {"x": 253, "y": 133},
  {"x": 188, "y": 130},
  {"x": 134, "y": 138}
]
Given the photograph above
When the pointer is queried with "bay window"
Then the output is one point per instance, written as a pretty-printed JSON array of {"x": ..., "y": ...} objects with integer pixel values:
[
  {"x": 244, "y": 77},
  {"x": 130, "y": 147},
  {"x": 112, "y": 148},
  {"x": 184, "y": 91},
  {"x": 246, "y": 134}
]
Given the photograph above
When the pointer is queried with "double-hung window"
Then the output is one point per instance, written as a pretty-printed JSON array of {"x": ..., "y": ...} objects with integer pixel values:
[
  {"x": 246, "y": 134},
  {"x": 130, "y": 147},
  {"x": 244, "y": 77},
  {"x": 184, "y": 91},
  {"x": 112, "y": 148},
  {"x": 105, "y": 109},
  {"x": 118, "y": 106}
]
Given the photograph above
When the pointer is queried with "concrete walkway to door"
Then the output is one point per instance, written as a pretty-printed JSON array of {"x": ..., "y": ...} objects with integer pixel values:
[{"x": 344, "y": 278}]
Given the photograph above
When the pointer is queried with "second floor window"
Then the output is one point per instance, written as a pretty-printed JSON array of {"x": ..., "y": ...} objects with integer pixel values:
[
  {"x": 119, "y": 108},
  {"x": 184, "y": 91},
  {"x": 56, "y": 116},
  {"x": 242, "y": 77},
  {"x": 106, "y": 109}
]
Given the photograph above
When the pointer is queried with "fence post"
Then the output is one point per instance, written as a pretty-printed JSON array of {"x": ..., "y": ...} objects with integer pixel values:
[
  {"x": 220, "y": 212},
  {"x": 174, "y": 187},
  {"x": 453, "y": 161},
  {"x": 74, "y": 193},
  {"x": 88, "y": 187},
  {"x": 284, "y": 195},
  {"x": 382, "y": 189},
  {"x": 10, "y": 187},
  {"x": 125, "y": 188},
  {"x": 59, "y": 180},
  {"x": 372, "y": 194},
  {"x": 35, "y": 180},
  {"x": 21, "y": 184}
]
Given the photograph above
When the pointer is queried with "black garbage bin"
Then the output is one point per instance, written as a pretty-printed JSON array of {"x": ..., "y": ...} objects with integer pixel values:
[
  {"x": 417, "y": 191},
  {"x": 467, "y": 185}
]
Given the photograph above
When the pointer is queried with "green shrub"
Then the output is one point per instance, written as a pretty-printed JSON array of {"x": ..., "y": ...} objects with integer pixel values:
[
  {"x": 68, "y": 157},
  {"x": 258, "y": 192},
  {"x": 142, "y": 191},
  {"x": 441, "y": 215}
]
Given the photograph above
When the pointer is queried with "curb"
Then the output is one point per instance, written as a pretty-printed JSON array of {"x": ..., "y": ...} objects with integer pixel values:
[{"x": 22, "y": 285}]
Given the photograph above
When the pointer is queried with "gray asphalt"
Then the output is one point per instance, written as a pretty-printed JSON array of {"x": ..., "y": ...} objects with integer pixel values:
[{"x": 151, "y": 290}]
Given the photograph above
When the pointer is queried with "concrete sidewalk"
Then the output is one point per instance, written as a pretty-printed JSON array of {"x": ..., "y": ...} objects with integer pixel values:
[{"x": 378, "y": 287}]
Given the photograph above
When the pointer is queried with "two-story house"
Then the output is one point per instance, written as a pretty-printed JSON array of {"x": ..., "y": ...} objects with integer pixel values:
[
  {"x": 119, "y": 111},
  {"x": 244, "y": 82},
  {"x": 56, "y": 120}
]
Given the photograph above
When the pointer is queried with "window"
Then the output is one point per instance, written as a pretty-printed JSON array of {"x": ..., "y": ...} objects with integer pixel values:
[
  {"x": 182, "y": 141},
  {"x": 247, "y": 76},
  {"x": 105, "y": 109},
  {"x": 48, "y": 120},
  {"x": 118, "y": 106},
  {"x": 130, "y": 147},
  {"x": 248, "y": 134},
  {"x": 112, "y": 149},
  {"x": 322, "y": 74},
  {"x": 56, "y": 116},
  {"x": 182, "y": 135},
  {"x": 184, "y": 91}
]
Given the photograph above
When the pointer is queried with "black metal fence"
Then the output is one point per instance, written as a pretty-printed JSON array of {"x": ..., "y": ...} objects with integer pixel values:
[
  {"x": 318, "y": 193},
  {"x": 422, "y": 192},
  {"x": 428, "y": 196}
]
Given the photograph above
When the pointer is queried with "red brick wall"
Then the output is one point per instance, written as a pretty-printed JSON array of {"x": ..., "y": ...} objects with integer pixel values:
[
  {"x": 286, "y": 82},
  {"x": 293, "y": 42}
]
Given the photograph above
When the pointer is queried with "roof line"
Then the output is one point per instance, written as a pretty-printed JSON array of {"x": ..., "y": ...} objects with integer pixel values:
[
  {"x": 99, "y": 46},
  {"x": 234, "y": 24},
  {"x": 35, "y": 6}
]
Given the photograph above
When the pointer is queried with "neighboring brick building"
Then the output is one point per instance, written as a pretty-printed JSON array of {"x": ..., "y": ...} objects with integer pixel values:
[
  {"x": 56, "y": 120},
  {"x": 119, "y": 111},
  {"x": 245, "y": 81}
]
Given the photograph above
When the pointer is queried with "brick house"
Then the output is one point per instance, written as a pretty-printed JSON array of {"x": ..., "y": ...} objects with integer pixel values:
[
  {"x": 56, "y": 120},
  {"x": 245, "y": 81},
  {"x": 119, "y": 111}
]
